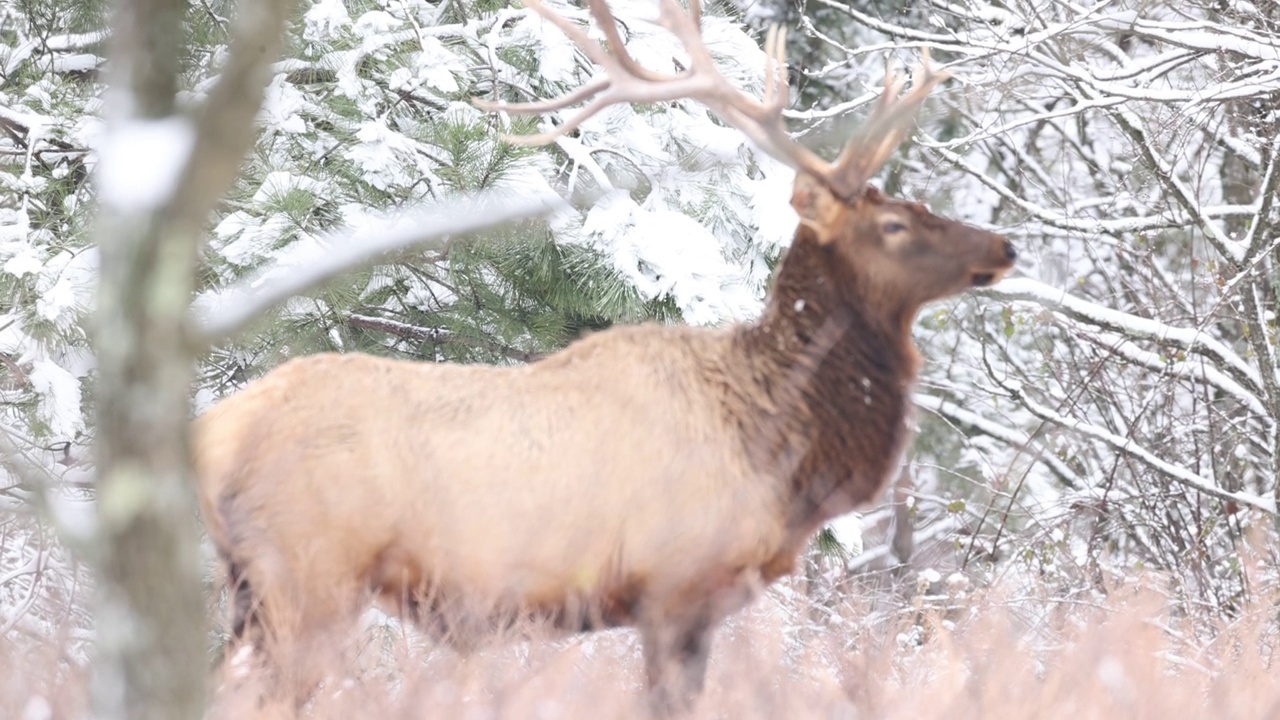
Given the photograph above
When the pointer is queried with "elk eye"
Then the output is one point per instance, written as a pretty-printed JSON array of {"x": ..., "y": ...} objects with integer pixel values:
[{"x": 892, "y": 227}]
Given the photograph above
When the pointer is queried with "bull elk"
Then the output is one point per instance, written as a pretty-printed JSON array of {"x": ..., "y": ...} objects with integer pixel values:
[{"x": 647, "y": 476}]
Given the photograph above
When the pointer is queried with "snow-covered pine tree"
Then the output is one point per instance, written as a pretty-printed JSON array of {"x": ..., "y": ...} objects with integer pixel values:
[
  {"x": 49, "y": 56},
  {"x": 677, "y": 219}
]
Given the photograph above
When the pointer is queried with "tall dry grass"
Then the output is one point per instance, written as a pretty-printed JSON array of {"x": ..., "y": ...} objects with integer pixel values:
[{"x": 1125, "y": 655}]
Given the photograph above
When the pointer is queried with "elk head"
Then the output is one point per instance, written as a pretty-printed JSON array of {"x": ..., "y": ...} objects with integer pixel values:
[{"x": 901, "y": 253}]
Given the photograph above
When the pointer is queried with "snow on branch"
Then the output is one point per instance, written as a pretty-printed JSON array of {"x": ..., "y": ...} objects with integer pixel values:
[
  {"x": 221, "y": 313},
  {"x": 1194, "y": 212},
  {"x": 1261, "y": 225},
  {"x": 75, "y": 41},
  {"x": 1110, "y": 91},
  {"x": 1001, "y": 128},
  {"x": 984, "y": 44},
  {"x": 1197, "y": 36},
  {"x": 1004, "y": 433},
  {"x": 37, "y": 482},
  {"x": 1190, "y": 339},
  {"x": 224, "y": 127},
  {"x": 439, "y": 336},
  {"x": 1197, "y": 371},
  {"x": 1127, "y": 446},
  {"x": 940, "y": 527},
  {"x": 1207, "y": 37},
  {"x": 23, "y": 121},
  {"x": 30, "y": 474},
  {"x": 1138, "y": 223}
]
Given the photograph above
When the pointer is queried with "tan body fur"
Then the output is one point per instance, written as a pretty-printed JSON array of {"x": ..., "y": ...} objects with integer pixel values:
[{"x": 520, "y": 488}]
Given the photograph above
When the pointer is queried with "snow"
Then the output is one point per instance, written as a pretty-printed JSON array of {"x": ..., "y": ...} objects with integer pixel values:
[
  {"x": 1011, "y": 436},
  {"x": 66, "y": 285},
  {"x": 666, "y": 253},
  {"x": 557, "y": 55},
  {"x": 249, "y": 237},
  {"x": 1127, "y": 445},
  {"x": 437, "y": 66},
  {"x": 382, "y": 154},
  {"x": 75, "y": 41},
  {"x": 1200, "y": 371},
  {"x": 375, "y": 24},
  {"x": 59, "y": 394},
  {"x": 280, "y": 183},
  {"x": 81, "y": 62},
  {"x": 1199, "y": 35},
  {"x": 23, "y": 119},
  {"x": 140, "y": 162},
  {"x": 690, "y": 125},
  {"x": 325, "y": 20},
  {"x": 75, "y": 515},
  {"x": 282, "y": 106},
  {"x": 847, "y": 529},
  {"x": 771, "y": 210},
  {"x": 21, "y": 257}
]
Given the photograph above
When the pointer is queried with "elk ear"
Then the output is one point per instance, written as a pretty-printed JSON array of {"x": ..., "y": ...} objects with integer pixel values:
[{"x": 818, "y": 209}]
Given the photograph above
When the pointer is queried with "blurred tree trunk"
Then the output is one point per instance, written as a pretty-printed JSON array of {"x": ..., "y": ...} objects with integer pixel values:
[
  {"x": 150, "y": 660},
  {"x": 150, "y": 616}
]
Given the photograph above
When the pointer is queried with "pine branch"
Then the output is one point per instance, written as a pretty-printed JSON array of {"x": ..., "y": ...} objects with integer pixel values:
[
  {"x": 221, "y": 314},
  {"x": 439, "y": 336}
]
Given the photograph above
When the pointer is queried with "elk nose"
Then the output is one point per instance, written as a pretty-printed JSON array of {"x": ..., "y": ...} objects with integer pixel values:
[{"x": 1010, "y": 252}]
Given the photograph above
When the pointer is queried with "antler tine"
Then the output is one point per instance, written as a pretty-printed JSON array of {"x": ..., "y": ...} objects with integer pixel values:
[
  {"x": 761, "y": 121},
  {"x": 589, "y": 90},
  {"x": 626, "y": 81},
  {"x": 609, "y": 26},
  {"x": 573, "y": 32},
  {"x": 890, "y": 122},
  {"x": 776, "y": 87}
]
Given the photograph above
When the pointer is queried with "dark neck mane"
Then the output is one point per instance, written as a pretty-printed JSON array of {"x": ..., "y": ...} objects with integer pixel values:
[{"x": 828, "y": 386}]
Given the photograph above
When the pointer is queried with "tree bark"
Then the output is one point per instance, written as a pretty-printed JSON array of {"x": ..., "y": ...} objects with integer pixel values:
[
  {"x": 150, "y": 656},
  {"x": 150, "y": 629}
]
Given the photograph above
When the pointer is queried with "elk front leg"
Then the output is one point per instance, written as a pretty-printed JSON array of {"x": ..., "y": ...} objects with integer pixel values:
[{"x": 675, "y": 659}]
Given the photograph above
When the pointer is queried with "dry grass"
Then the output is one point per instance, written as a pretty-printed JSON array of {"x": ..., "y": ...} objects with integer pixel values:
[
  {"x": 41, "y": 681},
  {"x": 992, "y": 657}
]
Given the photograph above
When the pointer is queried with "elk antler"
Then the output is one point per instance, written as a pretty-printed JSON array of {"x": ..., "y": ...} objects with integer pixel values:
[
  {"x": 625, "y": 81},
  {"x": 890, "y": 121}
]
